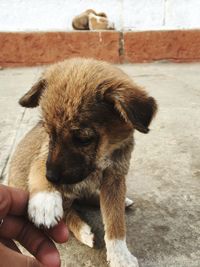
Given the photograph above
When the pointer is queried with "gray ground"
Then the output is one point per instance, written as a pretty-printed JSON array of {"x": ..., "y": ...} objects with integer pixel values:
[{"x": 163, "y": 229}]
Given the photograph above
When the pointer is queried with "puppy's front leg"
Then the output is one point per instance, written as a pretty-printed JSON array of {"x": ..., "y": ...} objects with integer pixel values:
[
  {"x": 112, "y": 198},
  {"x": 45, "y": 203}
]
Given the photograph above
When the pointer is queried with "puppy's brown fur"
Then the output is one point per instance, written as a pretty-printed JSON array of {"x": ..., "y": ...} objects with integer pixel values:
[{"x": 83, "y": 144}]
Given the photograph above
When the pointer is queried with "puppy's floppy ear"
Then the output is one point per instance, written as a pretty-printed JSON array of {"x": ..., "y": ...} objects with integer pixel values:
[
  {"x": 133, "y": 104},
  {"x": 31, "y": 98}
]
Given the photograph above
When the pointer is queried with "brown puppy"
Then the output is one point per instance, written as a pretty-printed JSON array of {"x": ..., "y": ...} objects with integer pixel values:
[
  {"x": 82, "y": 148},
  {"x": 90, "y": 20},
  {"x": 81, "y": 22}
]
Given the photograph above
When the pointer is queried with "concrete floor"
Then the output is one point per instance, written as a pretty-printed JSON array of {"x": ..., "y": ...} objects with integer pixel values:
[{"x": 163, "y": 228}]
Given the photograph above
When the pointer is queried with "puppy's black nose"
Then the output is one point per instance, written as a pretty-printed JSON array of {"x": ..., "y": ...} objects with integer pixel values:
[{"x": 52, "y": 176}]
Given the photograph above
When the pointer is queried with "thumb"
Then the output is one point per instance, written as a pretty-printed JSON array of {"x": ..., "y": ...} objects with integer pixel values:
[{"x": 13, "y": 258}]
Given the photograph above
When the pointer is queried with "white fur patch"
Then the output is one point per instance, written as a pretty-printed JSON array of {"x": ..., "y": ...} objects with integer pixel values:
[
  {"x": 86, "y": 235},
  {"x": 128, "y": 202},
  {"x": 118, "y": 254},
  {"x": 45, "y": 208}
]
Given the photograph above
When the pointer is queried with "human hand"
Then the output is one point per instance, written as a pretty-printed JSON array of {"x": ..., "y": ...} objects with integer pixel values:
[{"x": 13, "y": 206}]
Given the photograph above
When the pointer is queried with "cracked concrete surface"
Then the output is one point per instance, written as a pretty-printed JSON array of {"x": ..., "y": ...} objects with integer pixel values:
[{"x": 163, "y": 228}]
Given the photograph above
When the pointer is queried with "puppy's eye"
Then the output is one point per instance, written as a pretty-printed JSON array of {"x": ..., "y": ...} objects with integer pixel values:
[
  {"x": 83, "y": 137},
  {"x": 83, "y": 141}
]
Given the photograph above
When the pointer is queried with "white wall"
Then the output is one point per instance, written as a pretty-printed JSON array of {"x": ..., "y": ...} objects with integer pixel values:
[{"x": 56, "y": 15}]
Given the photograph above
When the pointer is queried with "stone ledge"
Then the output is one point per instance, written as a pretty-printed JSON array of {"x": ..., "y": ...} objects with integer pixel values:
[
  {"x": 37, "y": 48},
  {"x": 177, "y": 46}
]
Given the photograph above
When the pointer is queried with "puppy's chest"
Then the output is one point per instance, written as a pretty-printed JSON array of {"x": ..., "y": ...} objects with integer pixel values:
[{"x": 86, "y": 187}]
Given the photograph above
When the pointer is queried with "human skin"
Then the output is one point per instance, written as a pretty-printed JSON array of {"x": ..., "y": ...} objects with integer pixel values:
[{"x": 16, "y": 226}]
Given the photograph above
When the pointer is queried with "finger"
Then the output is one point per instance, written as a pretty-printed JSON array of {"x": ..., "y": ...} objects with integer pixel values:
[
  {"x": 59, "y": 233},
  {"x": 12, "y": 258},
  {"x": 12, "y": 200},
  {"x": 10, "y": 244},
  {"x": 34, "y": 240}
]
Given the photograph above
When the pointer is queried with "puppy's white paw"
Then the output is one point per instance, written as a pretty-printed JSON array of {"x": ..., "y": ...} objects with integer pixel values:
[
  {"x": 128, "y": 202},
  {"x": 45, "y": 208},
  {"x": 118, "y": 254},
  {"x": 86, "y": 236}
]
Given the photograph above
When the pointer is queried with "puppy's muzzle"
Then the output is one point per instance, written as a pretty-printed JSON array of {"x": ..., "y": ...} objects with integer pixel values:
[
  {"x": 72, "y": 177},
  {"x": 52, "y": 176},
  {"x": 70, "y": 171}
]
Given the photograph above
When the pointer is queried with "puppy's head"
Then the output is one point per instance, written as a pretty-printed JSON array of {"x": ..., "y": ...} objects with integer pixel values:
[{"x": 89, "y": 109}]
